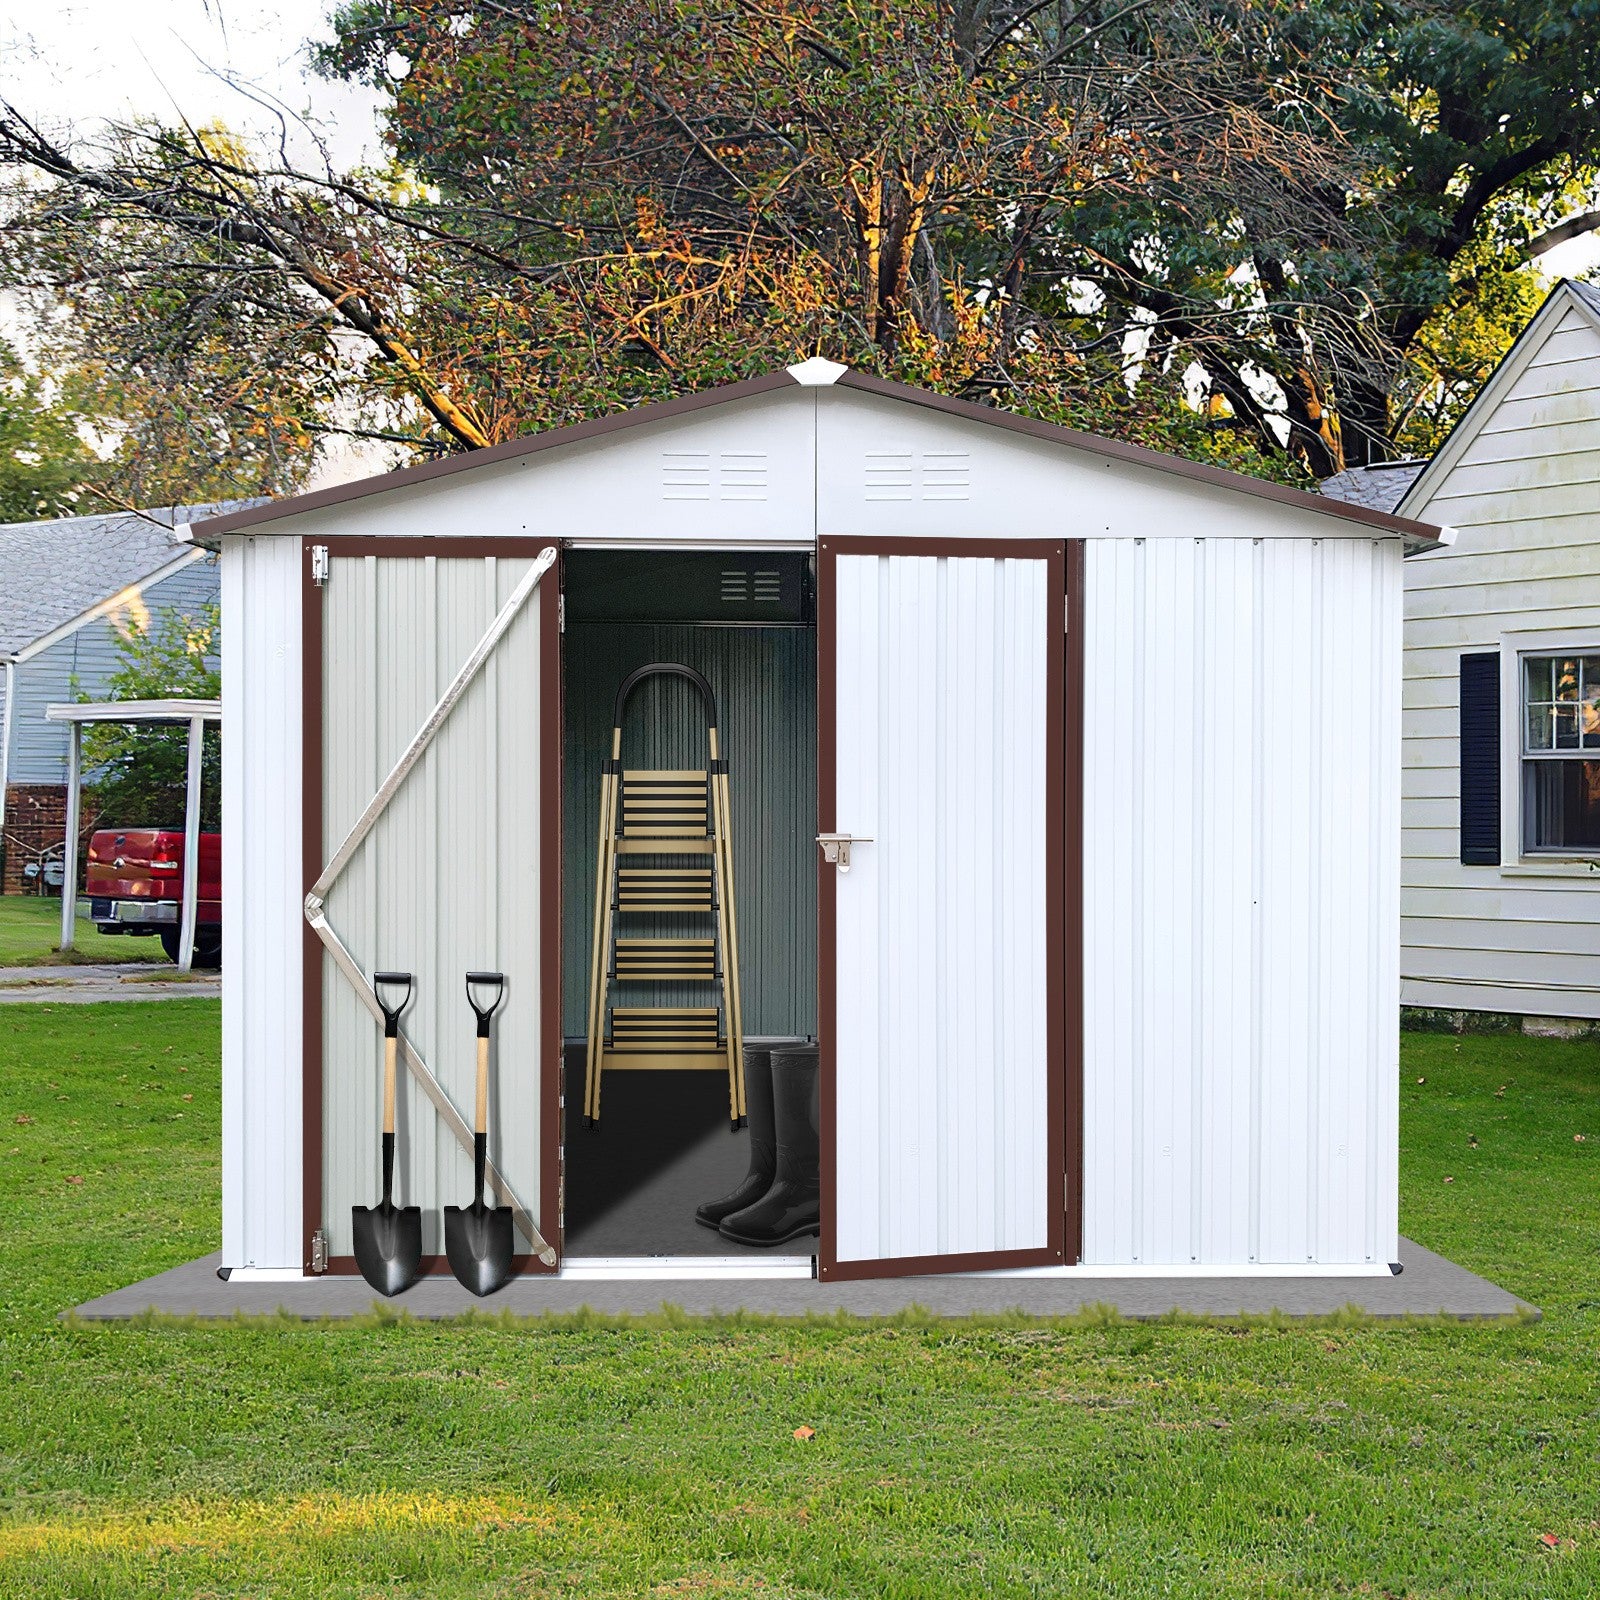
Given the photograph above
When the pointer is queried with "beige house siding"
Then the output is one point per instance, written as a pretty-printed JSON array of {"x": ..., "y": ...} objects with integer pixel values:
[{"x": 1520, "y": 481}]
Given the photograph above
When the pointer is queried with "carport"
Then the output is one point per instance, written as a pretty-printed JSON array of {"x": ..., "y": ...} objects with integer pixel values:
[{"x": 197, "y": 713}]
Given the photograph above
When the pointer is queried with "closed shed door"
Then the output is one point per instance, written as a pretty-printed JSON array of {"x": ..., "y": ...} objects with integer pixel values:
[
  {"x": 460, "y": 872},
  {"x": 942, "y": 961}
]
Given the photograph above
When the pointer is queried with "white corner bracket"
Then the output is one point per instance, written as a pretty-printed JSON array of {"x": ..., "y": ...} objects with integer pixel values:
[
  {"x": 335, "y": 946},
  {"x": 818, "y": 372}
]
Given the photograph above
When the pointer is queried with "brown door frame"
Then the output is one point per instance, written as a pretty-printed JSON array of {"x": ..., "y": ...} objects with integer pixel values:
[
  {"x": 1063, "y": 865},
  {"x": 548, "y": 600}
]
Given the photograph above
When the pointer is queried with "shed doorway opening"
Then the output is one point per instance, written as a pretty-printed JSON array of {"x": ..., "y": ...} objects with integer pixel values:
[{"x": 744, "y": 622}]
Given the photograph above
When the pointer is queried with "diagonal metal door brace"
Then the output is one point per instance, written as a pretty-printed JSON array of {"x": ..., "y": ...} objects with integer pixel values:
[{"x": 347, "y": 963}]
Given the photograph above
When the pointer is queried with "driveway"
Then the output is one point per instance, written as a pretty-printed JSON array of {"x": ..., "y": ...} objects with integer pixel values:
[{"x": 85, "y": 984}]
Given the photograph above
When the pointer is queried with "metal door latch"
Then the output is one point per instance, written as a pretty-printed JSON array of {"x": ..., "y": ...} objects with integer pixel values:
[
  {"x": 319, "y": 564},
  {"x": 836, "y": 847},
  {"x": 319, "y": 1251}
]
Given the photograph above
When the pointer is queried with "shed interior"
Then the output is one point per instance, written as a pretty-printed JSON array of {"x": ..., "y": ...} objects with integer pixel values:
[{"x": 745, "y": 621}]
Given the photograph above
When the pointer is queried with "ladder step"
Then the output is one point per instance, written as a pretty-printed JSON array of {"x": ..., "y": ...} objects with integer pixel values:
[
  {"x": 664, "y": 889},
  {"x": 648, "y": 1028},
  {"x": 662, "y": 805},
  {"x": 660, "y": 960}
]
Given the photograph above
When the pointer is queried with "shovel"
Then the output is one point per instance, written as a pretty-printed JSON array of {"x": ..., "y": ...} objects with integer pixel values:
[
  {"x": 478, "y": 1238},
  {"x": 388, "y": 1238}
]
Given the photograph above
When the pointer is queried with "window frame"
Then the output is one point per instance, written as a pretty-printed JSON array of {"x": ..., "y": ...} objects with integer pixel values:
[{"x": 1517, "y": 859}]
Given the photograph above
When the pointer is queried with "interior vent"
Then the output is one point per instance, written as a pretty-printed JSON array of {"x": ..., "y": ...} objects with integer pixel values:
[
  {"x": 685, "y": 475},
  {"x": 769, "y": 586},
  {"x": 735, "y": 586}
]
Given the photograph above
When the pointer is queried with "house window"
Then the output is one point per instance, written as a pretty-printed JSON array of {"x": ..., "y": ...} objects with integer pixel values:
[{"x": 1561, "y": 754}]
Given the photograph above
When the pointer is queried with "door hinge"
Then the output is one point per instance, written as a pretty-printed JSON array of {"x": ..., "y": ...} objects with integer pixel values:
[
  {"x": 319, "y": 1251},
  {"x": 319, "y": 564},
  {"x": 561, "y": 613}
]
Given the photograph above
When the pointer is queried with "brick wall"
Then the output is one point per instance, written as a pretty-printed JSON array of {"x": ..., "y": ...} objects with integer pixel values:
[{"x": 36, "y": 824}]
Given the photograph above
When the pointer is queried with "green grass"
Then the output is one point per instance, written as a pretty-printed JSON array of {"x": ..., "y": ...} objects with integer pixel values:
[
  {"x": 592, "y": 1459},
  {"x": 30, "y": 931}
]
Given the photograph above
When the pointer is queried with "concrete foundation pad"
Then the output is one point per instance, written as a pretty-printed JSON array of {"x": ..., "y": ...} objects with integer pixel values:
[{"x": 1428, "y": 1286}]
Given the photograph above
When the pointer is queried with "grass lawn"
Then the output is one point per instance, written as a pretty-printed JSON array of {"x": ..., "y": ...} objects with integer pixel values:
[
  {"x": 1086, "y": 1458},
  {"x": 30, "y": 929}
]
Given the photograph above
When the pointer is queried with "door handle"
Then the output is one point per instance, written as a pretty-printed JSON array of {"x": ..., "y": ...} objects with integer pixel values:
[{"x": 836, "y": 847}]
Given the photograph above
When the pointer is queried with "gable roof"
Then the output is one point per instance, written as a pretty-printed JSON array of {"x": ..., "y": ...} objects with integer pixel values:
[
  {"x": 55, "y": 571},
  {"x": 807, "y": 374},
  {"x": 1563, "y": 297},
  {"x": 1380, "y": 486}
]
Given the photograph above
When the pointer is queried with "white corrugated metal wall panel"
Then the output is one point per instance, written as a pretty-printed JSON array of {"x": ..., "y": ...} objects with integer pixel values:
[
  {"x": 1241, "y": 900},
  {"x": 261, "y": 919},
  {"x": 941, "y": 953},
  {"x": 448, "y": 880}
]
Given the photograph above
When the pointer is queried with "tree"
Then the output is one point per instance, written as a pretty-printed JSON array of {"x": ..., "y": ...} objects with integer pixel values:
[
  {"x": 140, "y": 770},
  {"x": 584, "y": 213},
  {"x": 1478, "y": 136},
  {"x": 1074, "y": 209},
  {"x": 46, "y": 465}
]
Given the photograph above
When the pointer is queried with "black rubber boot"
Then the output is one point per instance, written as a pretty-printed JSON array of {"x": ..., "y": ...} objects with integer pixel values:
[
  {"x": 763, "y": 1143},
  {"x": 793, "y": 1205}
]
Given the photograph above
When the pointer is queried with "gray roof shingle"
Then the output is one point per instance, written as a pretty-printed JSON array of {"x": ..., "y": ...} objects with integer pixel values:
[
  {"x": 1380, "y": 487},
  {"x": 53, "y": 571}
]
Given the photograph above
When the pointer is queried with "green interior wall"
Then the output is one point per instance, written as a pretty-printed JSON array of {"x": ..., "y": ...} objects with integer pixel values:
[{"x": 765, "y": 681}]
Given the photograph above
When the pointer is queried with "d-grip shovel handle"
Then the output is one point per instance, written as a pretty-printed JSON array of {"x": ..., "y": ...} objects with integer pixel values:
[
  {"x": 497, "y": 982},
  {"x": 391, "y": 1039}
]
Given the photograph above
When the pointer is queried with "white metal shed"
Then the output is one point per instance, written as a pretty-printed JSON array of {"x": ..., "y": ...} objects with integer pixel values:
[{"x": 1112, "y": 981}]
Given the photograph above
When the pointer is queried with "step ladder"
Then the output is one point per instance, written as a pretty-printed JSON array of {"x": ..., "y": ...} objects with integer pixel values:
[{"x": 665, "y": 848}]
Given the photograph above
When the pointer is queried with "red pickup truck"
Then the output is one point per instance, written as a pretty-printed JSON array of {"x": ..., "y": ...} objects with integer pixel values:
[{"x": 135, "y": 885}]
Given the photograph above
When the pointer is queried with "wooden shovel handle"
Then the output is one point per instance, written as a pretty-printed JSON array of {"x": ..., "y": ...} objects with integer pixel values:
[
  {"x": 390, "y": 1049},
  {"x": 482, "y": 1123}
]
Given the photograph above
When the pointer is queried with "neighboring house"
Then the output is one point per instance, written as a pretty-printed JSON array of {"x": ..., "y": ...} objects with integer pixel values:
[
  {"x": 1501, "y": 724},
  {"x": 69, "y": 589}
]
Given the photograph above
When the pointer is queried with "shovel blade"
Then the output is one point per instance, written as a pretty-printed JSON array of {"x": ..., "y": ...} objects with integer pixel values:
[
  {"x": 478, "y": 1240},
  {"x": 388, "y": 1243}
]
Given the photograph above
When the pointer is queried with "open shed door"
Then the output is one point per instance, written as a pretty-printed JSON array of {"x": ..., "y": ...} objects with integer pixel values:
[
  {"x": 942, "y": 943},
  {"x": 433, "y": 846}
]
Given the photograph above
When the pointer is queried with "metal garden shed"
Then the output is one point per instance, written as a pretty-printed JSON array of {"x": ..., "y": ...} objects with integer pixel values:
[{"x": 1110, "y": 739}]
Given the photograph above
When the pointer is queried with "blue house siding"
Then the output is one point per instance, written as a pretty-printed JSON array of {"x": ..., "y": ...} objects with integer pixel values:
[{"x": 82, "y": 663}]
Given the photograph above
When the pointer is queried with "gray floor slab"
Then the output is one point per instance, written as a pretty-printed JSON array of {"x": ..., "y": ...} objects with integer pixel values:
[
  {"x": 1429, "y": 1286},
  {"x": 91, "y": 982},
  {"x": 663, "y": 1146}
]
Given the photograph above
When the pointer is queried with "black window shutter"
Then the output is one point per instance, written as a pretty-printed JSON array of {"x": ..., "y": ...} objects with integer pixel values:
[{"x": 1480, "y": 759}]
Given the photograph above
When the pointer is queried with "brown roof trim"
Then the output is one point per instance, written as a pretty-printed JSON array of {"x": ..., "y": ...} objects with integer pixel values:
[
  {"x": 510, "y": 450},
  {"x": 1138, "y": 455},
  {"x": 991, "y": 416}
]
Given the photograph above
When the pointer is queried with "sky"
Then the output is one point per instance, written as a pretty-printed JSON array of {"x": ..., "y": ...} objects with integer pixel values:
[{"x": 72, "y": 63}]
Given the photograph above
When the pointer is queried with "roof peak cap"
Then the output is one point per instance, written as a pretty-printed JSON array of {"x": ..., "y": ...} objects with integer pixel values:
[{"x": 817, "y": 372}]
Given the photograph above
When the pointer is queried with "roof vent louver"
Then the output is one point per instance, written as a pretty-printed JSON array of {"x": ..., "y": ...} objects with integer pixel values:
[{"x": 686, "y": 474}]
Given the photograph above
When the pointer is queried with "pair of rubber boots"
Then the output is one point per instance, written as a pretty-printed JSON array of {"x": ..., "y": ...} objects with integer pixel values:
[{"x": 781, "y": 1196}]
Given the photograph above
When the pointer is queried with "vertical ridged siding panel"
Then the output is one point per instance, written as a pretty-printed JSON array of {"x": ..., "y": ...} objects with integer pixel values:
[
  {"x": 765, "y": 683},
  {"x": 446, "y": 882},
  {"x": 941, "y": 981},
  {"x": 261, "y": 918},
  {"x": 1241, "y": 900}
]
